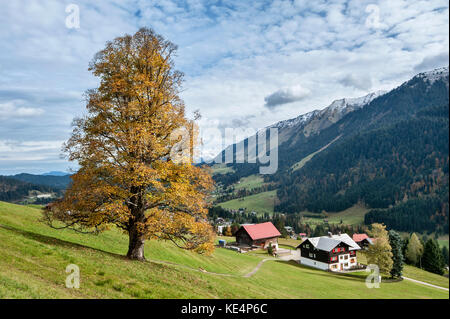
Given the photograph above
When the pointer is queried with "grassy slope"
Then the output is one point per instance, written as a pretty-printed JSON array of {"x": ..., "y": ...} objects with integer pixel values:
[
  {"x": 33, "y": 259},
  {"x": 249, "y": 182},
  {"x": 306, "y": 159},
  {"x": 221, "y": 169},
  {"x": 351, "y": 216},
  {"x": 261, "y": 202},
  {"x": 443, "y": 241},
  {"x": 417, "y": 273}
]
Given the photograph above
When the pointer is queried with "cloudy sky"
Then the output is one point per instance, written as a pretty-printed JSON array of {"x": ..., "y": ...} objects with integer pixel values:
[{"x": 246, "y": 63}]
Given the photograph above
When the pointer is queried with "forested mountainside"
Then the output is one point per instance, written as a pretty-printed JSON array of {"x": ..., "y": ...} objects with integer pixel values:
[
  {"x": 391, "y": 155},
  {"x": 13, "y": 190},
  {"x": 55, "y": 181}
]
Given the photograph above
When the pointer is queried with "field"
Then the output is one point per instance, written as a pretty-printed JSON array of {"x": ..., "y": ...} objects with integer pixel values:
[
  {"x": 249, "y": 182},
  {"x": 261, "y": 202},
  {"x": 443, "y": 241},
  {"x": 33, "y": 259},
  {"x": 417, "y": 273},
  {"x": 221, "y": 169},
  {"x": 351, "y": 216}
]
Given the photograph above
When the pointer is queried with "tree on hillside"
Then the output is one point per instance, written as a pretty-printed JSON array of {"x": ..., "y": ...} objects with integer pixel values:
[
  {"x": 432, "y": 260},
  {"x": 319, "y": 231},
  {"x": 397, "y": 256},
  {"x": 414, "y": 250},
  {"x": 380, "y": 253},
  {"x": 227, "y": 231},
  {"x": 445, "y": 255},
  {"x": 135, "y": 148},
  {"x": 234, "y": 228}
]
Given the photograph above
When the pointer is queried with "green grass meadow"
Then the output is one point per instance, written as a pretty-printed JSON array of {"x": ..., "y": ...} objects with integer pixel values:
[
  {"x": 261, "y": 202},
  {"x": 33, "y": 259}
]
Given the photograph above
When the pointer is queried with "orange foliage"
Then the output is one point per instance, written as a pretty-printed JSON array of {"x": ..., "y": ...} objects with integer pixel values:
[{"x": 135, "y": 172}]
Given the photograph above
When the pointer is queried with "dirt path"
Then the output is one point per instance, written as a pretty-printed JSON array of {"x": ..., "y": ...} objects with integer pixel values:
[
  {"x": 425, "y": 283},
  {"x": 251, "y": 273}
]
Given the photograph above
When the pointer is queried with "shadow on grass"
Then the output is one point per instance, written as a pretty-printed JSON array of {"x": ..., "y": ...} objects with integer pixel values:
[
  {"x": 71, "y": 245},
  {"x": 57, "y": 242}
]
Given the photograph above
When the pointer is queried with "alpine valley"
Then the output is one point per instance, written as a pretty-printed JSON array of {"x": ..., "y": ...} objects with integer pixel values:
[{"x": 386, "y": 152}]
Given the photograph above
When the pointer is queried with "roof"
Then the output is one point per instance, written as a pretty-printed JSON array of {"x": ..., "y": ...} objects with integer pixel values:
[
  {"x": 359, "y": 237},
  {"x": 327, "y": 243},
  {"x": 260, "y": 231},
  {"x": 346, "y": 239}
]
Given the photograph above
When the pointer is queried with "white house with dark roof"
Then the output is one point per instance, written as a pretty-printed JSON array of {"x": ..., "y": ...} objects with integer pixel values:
[{"x": 332, "y": 252}]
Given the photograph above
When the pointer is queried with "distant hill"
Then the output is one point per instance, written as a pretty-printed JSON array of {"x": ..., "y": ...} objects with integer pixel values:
[
  {"x": 13, "y": 190},
  {"x": 55, "y": 173},
  {"x": 56, "y": 181}
]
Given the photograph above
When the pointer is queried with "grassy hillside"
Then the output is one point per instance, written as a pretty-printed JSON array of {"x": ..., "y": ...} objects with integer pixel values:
[
  {"x": 417, "y": 274},
  {"x": 350, "y": 216},
  {"x": 33, "y": 259},
  {"x": 249, "y": 182},
  {"x": 261, "y": 202},
  {"x": 221, "y": 169},
  {"x": 306, "y": 159}
]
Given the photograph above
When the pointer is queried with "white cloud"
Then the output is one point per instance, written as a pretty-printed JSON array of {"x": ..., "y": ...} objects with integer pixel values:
[
  {"x": 234, "y": 55},
  {"x": 361, "y": 82},
  {"x": 432, "y": 62},
  {"x": 13, "y": 110}
]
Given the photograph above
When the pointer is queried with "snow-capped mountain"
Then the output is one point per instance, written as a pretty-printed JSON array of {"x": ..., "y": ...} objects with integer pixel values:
[
  {"x": 300, "y": 129},
  {"x": 433, "y": 75},
  {"x": 314, "y": 121},
  {"x": 317, "y": 120}
]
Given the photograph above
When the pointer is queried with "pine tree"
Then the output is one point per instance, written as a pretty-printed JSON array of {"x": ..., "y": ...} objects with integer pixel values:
[
  {"x": 445, "y": 255},
  {"x": 432, "y": 258},
  {"x": 397, "y": 256}
]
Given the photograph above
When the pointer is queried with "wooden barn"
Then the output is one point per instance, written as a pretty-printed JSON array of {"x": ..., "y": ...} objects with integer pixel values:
[
  {"x": 362, "y": 240},
  {"x": 258, "y": 235}
]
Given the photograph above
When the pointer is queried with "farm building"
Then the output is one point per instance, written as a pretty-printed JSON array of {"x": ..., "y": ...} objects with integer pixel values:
[
  {"x": 258, "y": 235},
  {"x": 362, "y": 240},
  {"x": 332, "y": 252}
]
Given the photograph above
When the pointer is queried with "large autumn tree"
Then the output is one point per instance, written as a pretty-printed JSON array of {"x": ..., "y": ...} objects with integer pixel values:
[{"x": 134, "y": 148}]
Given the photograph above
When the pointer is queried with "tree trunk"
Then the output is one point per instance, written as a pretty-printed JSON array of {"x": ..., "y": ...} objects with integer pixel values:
[{"x": 135, "y": 245}]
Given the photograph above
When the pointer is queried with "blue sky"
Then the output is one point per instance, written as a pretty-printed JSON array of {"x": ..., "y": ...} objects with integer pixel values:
[{"x": 246, "y": 63}]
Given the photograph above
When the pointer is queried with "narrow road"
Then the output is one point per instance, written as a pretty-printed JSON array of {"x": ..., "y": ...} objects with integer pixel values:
[{"x": 425, "y": 283}]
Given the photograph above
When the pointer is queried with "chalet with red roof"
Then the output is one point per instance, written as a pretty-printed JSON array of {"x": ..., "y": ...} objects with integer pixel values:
[
  {"x": 362, "y": 240},
  {"x": 258, "y": 235}
]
